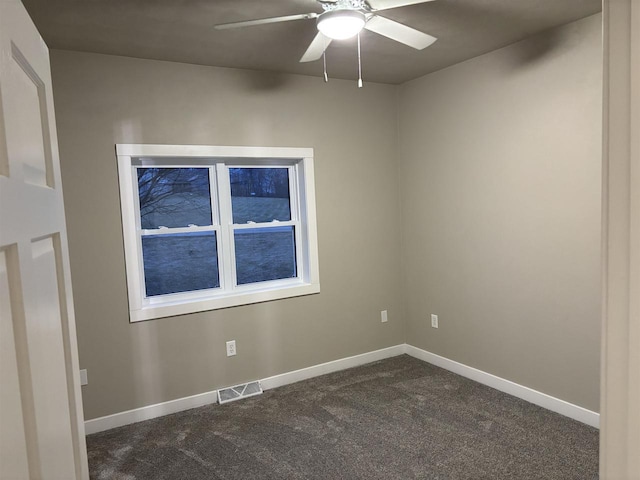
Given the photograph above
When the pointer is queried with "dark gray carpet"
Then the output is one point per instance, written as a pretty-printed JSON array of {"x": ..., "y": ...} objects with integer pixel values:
[{"x": 395, "y": 419}]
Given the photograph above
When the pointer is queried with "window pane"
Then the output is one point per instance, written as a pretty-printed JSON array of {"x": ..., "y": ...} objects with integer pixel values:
[
  {"x": 174, "y": 197},
  {"x": 265, "y": 254},
  {"x": 260, "y": 194},
  {"x": 180, "y": 262}
]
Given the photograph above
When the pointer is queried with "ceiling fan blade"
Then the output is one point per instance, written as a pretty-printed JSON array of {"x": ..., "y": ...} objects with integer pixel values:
[
  {"x": 387, "y": 4},
  {"x": 264, "y": 21},
  {"x": 316, "y": 49},
  {"x": 399, "y": 32}
]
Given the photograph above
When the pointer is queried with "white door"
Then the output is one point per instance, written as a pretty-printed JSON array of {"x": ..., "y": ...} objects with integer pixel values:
[{"x": 42, "y": 431}]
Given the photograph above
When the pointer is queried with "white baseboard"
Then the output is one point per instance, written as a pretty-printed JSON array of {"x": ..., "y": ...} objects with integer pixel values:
[
  {"x": 160, "y": 409},
  {"x": 329, "y": 367},
  {"x": 150, "y": 411},
  {"x": 525, "y": 393},
  {"x": 538, "y": 398}
]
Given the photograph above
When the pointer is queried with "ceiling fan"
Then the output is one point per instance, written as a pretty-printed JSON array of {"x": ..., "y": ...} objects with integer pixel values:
[{"x": 342, "y": 19}]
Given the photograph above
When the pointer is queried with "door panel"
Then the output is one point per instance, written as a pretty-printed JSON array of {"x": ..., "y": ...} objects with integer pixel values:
[
  {"x": 13, "y": 440},
  {"x": 42, "y": 422},
  {"x": 48, "y": 370},
  {"x": 26, "y": 136}
]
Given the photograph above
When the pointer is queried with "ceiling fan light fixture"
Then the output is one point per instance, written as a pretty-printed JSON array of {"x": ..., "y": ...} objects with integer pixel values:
[{"x": 341, "y": 24}]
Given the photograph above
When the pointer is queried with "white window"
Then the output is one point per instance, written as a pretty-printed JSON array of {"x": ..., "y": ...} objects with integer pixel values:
[{"x": 213, "y": 227}]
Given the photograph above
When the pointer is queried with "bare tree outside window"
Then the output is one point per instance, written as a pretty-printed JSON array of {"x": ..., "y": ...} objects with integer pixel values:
[
  {"x": 177, "y": 262},
  {"x": 174, "y": 197}
]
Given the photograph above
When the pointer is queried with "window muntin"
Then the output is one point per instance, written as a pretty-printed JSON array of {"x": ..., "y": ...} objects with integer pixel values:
[{"x": 222, "y": 227}]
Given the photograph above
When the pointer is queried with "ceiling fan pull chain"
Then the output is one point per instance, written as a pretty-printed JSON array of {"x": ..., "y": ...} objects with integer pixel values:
[
  {"x": 324, "y": 61},
  {"x": 359, "y": 64}
]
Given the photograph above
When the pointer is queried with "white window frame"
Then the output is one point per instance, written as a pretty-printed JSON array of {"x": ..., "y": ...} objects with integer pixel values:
[{"x": 219, "y": 159}]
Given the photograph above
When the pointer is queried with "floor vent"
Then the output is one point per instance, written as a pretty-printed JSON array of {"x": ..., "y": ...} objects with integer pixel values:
[{"x": 230, "y": 394}]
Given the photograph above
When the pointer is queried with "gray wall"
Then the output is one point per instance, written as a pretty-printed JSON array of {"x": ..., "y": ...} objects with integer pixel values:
[
  {"x": 500, "y": 192},
  {"x": 484, "y": 209},
  {"x": 103, "y": 100}
]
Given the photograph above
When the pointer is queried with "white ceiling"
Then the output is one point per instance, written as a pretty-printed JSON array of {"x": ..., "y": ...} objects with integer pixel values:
[{"x": 182, "y": 31}]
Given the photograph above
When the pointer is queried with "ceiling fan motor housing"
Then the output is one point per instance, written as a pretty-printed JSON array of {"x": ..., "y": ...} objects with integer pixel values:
[{"x": 344, "y": 4}]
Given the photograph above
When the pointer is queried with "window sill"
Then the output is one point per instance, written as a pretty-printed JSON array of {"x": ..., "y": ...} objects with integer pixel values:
[{"x": 184, "y": 307}]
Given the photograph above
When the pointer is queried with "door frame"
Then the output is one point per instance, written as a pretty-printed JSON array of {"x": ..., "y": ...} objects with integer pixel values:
[{"x": 620, "y": 355}]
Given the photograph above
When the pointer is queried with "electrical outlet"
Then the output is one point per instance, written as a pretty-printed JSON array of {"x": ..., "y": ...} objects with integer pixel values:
[
  {"x": 83, "y": 377},
  {"x": 383, "y": 316},
  {"x": 231, "y": 348},
  {"x": 434, "y": 320}
]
